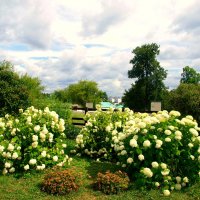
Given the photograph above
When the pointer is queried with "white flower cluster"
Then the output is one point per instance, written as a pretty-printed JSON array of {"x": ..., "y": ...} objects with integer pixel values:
[
  {"x": 139, "y": 138},
  {"x": 36, "y": 134}
]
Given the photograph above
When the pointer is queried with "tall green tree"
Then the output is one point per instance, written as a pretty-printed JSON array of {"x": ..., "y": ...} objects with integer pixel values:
[
  {"x": 149, "y": 76},
  {"x": 82, "y": 92},
  {"x": 34, "y": 87},
  {"x": 13, "y": 93},
  {"x": 186, "y": 99},
  {"x": 189, "y": 75}
]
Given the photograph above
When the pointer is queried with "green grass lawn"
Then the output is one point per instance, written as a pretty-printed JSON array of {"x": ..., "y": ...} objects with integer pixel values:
[{"x": 27, "y": 187}]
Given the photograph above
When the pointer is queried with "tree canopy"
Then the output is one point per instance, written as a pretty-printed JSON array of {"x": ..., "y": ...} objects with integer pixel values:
[
  {"x": 149, "y": 77},
  {"x": 189, "y": 75},
  {"x": 13, "y": 93},
  {"x": 80, "y": 93},
  {"x": 186, "y": 99}
]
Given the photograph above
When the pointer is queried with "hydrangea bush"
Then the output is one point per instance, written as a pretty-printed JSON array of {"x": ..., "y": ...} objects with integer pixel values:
[
  {"x": 161, "y": 150},
  {"x": 34, "y": 140}
]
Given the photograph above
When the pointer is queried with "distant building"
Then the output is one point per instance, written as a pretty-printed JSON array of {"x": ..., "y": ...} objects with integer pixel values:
[{"x": 115, "y": 99}]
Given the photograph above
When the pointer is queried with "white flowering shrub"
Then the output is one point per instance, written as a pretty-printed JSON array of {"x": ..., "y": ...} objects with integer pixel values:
[
  {"x": 161, "y": 150},
  {"x": 33, "y": 141},
  {"x": 95, "y": 138}
]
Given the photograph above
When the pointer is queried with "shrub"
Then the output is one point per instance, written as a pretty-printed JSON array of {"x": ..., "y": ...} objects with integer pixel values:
[
  {"x": 161, "y": 150},
  {"x": 112, "y": 183},
  {"x": 60, "y": 182},
  {"x": 61, "y": 108},
  {"x": 71, "y": 131},
  {"x": 13, "y": 93},
  {"x": 95, "y": 138},
  {"x": 34, "y": 140}
]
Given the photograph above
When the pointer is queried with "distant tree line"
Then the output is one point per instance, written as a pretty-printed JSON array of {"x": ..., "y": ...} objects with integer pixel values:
[{"x": 20, "y": 91}]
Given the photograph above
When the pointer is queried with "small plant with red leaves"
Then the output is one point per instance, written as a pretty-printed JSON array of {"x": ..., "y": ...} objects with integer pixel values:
[
  {"x": 60, "y": 182},
  {"x": 112, "y": 183}
]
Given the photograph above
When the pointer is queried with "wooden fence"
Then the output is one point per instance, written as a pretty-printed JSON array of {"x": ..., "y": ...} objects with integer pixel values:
[{"x": 80, "y": 121}]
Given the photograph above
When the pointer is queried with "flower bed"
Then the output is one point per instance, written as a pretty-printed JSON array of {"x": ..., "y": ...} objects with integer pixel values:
[
  {"x": 161, "y": 150},
  {"x": 34, "y": 140}
]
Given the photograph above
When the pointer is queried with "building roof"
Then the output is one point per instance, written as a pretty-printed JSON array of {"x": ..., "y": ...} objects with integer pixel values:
[{"x": 107, "y": 105}]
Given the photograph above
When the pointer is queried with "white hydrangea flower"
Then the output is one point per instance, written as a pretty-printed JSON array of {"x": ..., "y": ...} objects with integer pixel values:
[
  {"x": 175, "y": 113},
  {"x": 35, "y": 138},
  {"x": 185, "y": 180},
  {"x": 10, "y": 147},
  {"x": 12, "y": 170},
  {"x": 192, "y": 157},
  {"x": 163, "y": 166},
  {"x": 44, "y": 154},
  {"x": 178, "y": 179},
  {"x": 36, "y": 128},
  {"x": 34, "y": 144},
  {"x": 168, "y": 132},
  {"x": 32, "y": 161},
  {"x": 194, "y": 132},
  {"x": 5, "y": 171},
  {"x": 147, "y": 172},
  {"x": 166, "y": 193},
  {"x": 157, "y": 184},
  {"x": 178, "y": 186},
  {"x": 8, "y": 155},
  {"x": 64, "y": 145},
  {"x": 133, "y": 143},
  {"x": 190, "y": 145},
  {"x": 124, "y": 152},
  {"x": 146, "y": 143},
  {"x": 15, "y": 155},
  {"x": 167, "y": 139},
  {"x": 123, "y": 165},
  {"x": 141, "y": 157},
  {"x": 155, "y": 164},
  {"x": 7, "y": 165},
  {"x": 26, "y": 167},
  {"x": 1, "y": 148},
  {"x": 165, "y": 172},
  {"x": 55, "y": 158},
  {"x": 129, "y": 160}
]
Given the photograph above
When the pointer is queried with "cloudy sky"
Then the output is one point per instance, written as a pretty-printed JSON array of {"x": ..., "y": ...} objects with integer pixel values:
[{"x": 64, "y": 41}]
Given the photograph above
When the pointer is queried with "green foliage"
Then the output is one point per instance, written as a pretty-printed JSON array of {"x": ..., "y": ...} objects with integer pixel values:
[
  {"x": 13, "y": 93},
  {"x": 33, "y": 141},
  {"x": 150, "y": 76},
  {"x": 63, "y": 109},
  {"x": 80, "y": 93},
  {"x": 95, "y": 137},
  {"x": 186, "y": 99},
  {"x": 34, "y": 87},
  {"x": 189, "y": 75},
  {"x": 60, "y": 182},
  {"x": 112, "y": 183},
  {"x": 71, "y": 131},
  {"x": 160, "y": 150}
]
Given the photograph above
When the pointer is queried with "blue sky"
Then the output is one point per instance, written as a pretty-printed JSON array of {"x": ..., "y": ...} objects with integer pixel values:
[{"x": 64, "y": 41}]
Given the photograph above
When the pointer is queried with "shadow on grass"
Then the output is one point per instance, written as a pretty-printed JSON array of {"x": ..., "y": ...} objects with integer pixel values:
[{"x": 95, "y": 167}]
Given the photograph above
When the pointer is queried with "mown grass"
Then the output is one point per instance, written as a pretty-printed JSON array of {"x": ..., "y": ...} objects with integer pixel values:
[{"x": 27, "y": 187}]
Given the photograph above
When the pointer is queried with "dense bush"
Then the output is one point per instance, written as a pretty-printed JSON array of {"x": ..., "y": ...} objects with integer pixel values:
[
  {"x": 60, "y": 182},
  {"x": 34, "y": 140},
  {"x": 61, "y": 108},
  {"x": 112, "y": 183},
  {"x": 71, "y": 131},
  {"x": 185, "y": 99},
  {"x": 13, "y": 93},
  {"x": 161, "y": 150}
]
